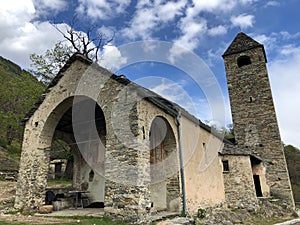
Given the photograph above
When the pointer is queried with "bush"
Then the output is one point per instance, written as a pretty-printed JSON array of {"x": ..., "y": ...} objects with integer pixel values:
[{"x": 201, "y": 213}]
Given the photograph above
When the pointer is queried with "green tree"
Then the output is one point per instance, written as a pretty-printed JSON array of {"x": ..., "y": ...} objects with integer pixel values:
[
  {"x": 18, "y": 92},
  {"x": 45, "y": 67}
]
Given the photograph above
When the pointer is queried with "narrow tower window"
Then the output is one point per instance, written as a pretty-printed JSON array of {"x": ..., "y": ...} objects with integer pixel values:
[
  {"x": 91, "y": 176},
  {"x": 243, "y": 61},
  {"x": 225, "y": 165}
]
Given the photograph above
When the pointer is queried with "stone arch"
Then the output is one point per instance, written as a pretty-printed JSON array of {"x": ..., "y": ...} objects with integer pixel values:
[
  {"x": 164, "y": 166},
  {"x": 243, "y": 60},
  {"x": 58, "y": 123}
]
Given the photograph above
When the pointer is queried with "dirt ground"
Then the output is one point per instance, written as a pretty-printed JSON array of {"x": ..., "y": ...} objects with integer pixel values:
[
  {"x": 7, "y": 213},
  {"x": 7, "y": 195}
]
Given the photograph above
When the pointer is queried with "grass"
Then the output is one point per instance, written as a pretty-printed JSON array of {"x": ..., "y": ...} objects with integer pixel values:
[
  {"x": 267, "y": 221},
  {"x": 81, "y": 220},
  {"x": 257, "y": 221}
]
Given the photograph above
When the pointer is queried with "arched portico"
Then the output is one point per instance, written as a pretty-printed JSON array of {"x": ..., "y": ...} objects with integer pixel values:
[{"x": 86, "y": 138}]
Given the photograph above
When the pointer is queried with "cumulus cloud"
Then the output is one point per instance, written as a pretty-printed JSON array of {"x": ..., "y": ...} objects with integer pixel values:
[
  {"x": 243, "y": 21},
  {"x": 191, "y": 30},
  {"x": 13, "y": 16},
  {"x": 111, "y": 58},
  {"x": 20, "y": 36}
]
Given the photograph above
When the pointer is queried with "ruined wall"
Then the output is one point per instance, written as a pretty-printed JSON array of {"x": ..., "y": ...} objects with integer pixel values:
[
  {"x": 254, "y": 118},
  {"x": 238, "y": 182},
  {"x": 202, "y": 167}
]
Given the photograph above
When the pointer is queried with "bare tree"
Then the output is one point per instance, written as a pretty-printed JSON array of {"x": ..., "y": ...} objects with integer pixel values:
[{"x": 87, "y": 43}]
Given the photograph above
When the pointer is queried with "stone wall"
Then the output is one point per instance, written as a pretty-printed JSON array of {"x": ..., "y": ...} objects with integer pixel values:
[
  {"x": 167, "y": 173},
  {"x": 238, "y": 182}
]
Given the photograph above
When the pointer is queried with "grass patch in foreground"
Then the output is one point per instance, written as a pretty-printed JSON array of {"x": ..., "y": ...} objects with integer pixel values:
[
  {"x": 81, "y": 220},
  {"x": 270, "y": 221}
]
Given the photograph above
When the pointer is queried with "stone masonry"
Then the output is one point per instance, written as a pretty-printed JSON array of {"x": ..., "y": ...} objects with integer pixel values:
[
  {"x": 127, "y": 118},
  {"x": 254, "y": 118}
]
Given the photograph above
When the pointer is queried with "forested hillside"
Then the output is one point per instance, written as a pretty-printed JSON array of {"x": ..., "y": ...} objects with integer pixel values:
[
  {"x": 18, "y": 92},
  {"x": 292, "y": 155}
]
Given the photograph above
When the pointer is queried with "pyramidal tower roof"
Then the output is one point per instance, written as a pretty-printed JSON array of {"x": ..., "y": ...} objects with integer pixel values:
[{"x": 241, "y": 42}]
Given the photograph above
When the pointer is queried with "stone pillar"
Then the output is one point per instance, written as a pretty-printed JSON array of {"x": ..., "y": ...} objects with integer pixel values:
[
  {"x": 33, "y": 172},
  {"x": 127, "y": 165}
]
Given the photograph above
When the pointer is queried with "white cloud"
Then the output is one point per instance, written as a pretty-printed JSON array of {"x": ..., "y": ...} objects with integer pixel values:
[
  {"x": 13, "y": 15},
  {"x": 102, "y": 9},
  {"x": 284, "y": 77},
  {"x": 19, "y": 36},
  {"x": 193, "y": 27},
  {"x": 167, "y": 12},
  {"x": 213, "y": 5},
  {"x": 107, "y": 31},
  {"x": 30, "y": 38},
  {"x": 219, "y": 30},
  {"x": 192, "y": 32},
  {"x": 150, "y": 16},
  {"x": 268, "y": 41},
  {"x": 142, "y": 24},
  {"x": 243, "y": 21},
  {"x": 286, "y": 35},
  {"x": 111, "y": 58},
  {"x": 289, "y": 50},
  {"x": 49, "y": 6},
  {"x": 272, "y": 3}
]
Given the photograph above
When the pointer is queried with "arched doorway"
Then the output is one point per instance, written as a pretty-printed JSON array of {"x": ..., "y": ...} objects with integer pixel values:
[
  {"x": 81, "y": 129},
  {"x": 164, "y": 166}
]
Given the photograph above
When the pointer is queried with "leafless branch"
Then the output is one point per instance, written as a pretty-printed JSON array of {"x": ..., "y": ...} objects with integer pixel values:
[{"x": 83, "y": 42}]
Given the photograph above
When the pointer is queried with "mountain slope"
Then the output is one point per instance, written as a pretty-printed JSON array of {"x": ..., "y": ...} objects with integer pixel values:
[
  {"x": 18, "y": 92},
  {"x": 292, "y": 155}
]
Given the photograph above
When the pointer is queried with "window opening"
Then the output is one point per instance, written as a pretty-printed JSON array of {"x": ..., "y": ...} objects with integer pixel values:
[
  {"x": 91, "y": 176},
  {"x": 243, "y": 61},
  {"x": 225, "y": 166}
]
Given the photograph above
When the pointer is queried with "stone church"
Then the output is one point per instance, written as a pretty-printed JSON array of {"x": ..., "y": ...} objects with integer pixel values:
[{"x": 137, "y": 152}]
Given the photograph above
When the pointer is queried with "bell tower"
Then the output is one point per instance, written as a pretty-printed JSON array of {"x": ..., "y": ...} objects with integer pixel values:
[{"x": 253, "y": 113}]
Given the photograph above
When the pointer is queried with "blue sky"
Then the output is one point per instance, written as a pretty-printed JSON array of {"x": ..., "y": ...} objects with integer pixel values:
[{"x": 204, "y": 28}]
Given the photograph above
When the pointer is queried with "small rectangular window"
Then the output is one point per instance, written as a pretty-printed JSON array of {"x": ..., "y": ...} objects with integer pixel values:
[{"x": 225, "y": 166}]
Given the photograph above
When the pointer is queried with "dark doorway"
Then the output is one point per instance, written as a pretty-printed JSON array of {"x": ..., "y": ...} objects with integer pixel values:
[{"x": 257, "y": 185}]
